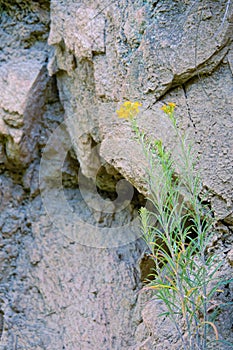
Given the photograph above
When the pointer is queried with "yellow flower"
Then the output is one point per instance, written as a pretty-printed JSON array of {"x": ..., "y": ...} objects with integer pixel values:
[
  {"x": 172, "y": 104},
  {"x": 129, "y": 110},
  {"x": 164, "y": 108},
  {"x": 127, "y": 104},
  {"x": 169, "y": 108}
]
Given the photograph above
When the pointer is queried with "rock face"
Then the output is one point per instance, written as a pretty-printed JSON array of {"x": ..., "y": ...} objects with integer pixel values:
[
  {"x": 23, "y": 87},
  {"x": 71, "y": 254}
]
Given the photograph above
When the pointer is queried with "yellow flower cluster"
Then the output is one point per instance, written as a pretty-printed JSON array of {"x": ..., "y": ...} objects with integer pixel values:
[
  {"x": 169, "y": 108},
  {"x": 129, "y": 110}
]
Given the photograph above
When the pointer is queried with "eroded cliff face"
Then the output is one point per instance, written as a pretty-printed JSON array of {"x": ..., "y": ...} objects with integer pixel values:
[{"x": 71, "y": 260}]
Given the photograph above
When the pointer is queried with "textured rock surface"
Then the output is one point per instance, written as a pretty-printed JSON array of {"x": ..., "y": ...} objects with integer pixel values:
[
  {"x": 145, "y": 56},
  {"x": 23, "y": 87},
  {"x": 56, "y": 293}
]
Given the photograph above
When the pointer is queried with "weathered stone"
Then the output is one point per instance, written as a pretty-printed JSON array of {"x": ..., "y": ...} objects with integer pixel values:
[
  {"x": 230, "y": 257},
  {"x": 160, "y": 52},
  {"x": 54, "y": 292},
  {"x": 82, "y": 32},
  {"x": 17, "y": 80},
  {"x": 14, "y": 120},
  {"x": 163, "y": 332},
  {"x": 22, "y": 86}
]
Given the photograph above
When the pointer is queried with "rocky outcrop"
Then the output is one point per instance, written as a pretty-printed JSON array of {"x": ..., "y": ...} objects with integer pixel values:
[
  {"x": 72, "y": 260},
  {"x": 23, "y": 87},
  {"x": 159, "y": 50}
]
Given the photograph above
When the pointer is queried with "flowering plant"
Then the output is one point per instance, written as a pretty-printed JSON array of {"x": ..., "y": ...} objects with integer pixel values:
[{"x": 178, "y": 230}]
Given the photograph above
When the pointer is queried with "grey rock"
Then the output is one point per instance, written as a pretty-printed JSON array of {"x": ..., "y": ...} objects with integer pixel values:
[
  {"x": 160, "y": 52},
  {"x": 55, "y": 292},
  {"x": 22, "y": 86}
]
